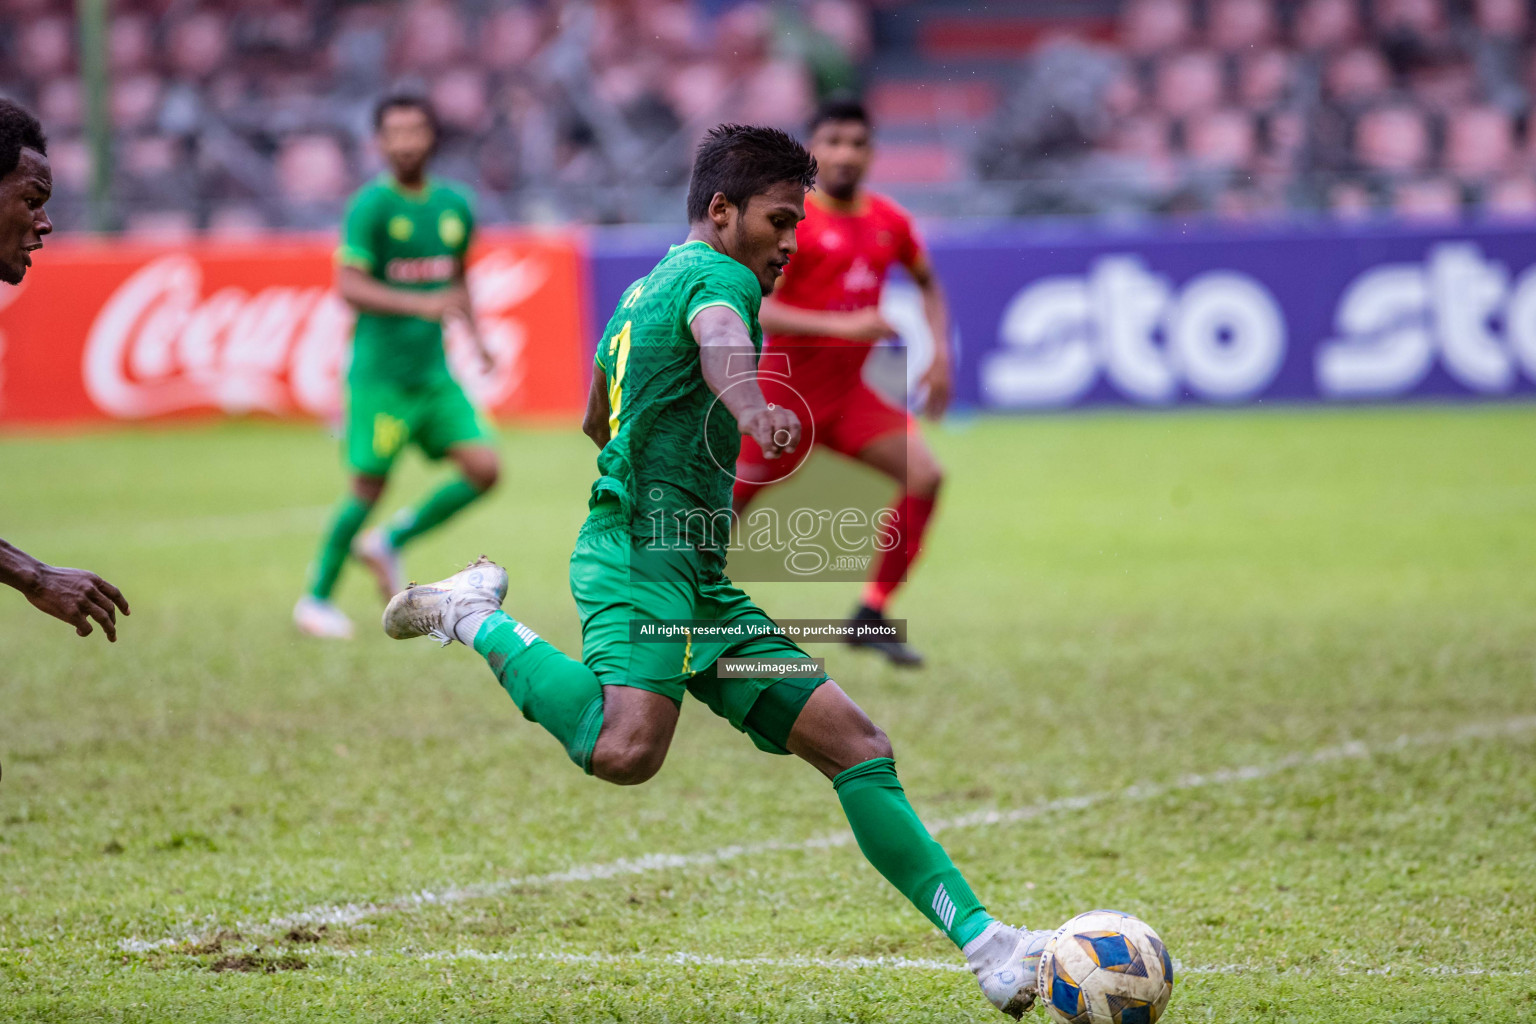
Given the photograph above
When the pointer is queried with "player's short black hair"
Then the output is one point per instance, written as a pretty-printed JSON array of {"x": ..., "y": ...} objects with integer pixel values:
[
  {"x": 838, "y": 108},
  {"x": 742, "y": 161},
  {"x": 19, "y": 130},
  {"x": 404, "y": 101}
]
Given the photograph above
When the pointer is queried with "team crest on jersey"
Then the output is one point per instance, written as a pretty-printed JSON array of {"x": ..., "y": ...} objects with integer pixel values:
[
  {"x": 451, "y": 229},
  {"x": 401, "y": 228},
  {"x": 860, "y": 277},
  {"x": 831, "y": 240}
]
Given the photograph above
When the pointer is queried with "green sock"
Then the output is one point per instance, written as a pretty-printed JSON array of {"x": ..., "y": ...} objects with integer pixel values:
[
  {"x": 549, "y": 688},
  {"x": 894, "y": 840},
  {"x": 335, "y": 545},
  {"x": 440, "y": 506}
]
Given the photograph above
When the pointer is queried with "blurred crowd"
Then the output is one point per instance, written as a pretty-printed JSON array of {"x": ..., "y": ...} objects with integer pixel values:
[
  {"x": 229, "y": 117},
  {"x": 1244, "y": 109},
  {"x": 232, "y": 116}
]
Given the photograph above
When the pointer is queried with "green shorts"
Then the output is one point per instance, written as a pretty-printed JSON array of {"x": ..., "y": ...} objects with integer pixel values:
[
  {"x": 383, "y": 418},
  {"x": 609, "y": 598}
]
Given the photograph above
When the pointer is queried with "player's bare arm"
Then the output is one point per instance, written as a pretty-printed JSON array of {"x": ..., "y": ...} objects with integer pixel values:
[
  {"x": 369, "y": 295},
  {"x": 75, "y": 596},
  {"x": 778, "y": 317},
  {"x": 461, "y": 282},
  {"x": 724, "y": 347},
  {"x": 936, "y": 379},
  {"x": 760, "y": 235},
  {"x": 594, "y": 422}
]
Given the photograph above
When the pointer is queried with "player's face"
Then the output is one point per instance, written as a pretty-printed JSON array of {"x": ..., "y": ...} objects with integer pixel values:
[
  {"x": 842, "y": 150},
  {"x": 761, "y": 234},
  {"x": 406, "y": 139},
  {"x": 23, "y": 221}
]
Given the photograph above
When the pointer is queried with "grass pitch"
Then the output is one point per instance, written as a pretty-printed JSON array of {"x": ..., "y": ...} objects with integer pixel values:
[{"x": 1263, "y": 679}]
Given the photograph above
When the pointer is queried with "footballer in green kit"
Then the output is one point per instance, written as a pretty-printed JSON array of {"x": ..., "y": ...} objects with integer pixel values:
[
  {"x": 674, "y": 388},
  {"x": 401, "y": 266}
]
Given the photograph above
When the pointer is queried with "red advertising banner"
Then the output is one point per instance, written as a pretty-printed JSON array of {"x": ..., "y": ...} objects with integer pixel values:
[{"x": 106, "y": 331}]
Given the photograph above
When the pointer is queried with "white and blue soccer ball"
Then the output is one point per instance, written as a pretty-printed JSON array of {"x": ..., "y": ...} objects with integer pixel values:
[{"x": 1105, "y": 967}]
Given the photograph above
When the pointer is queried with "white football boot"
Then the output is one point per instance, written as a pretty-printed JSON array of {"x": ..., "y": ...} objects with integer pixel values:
[
  {"x": 1006, "y": 962},
  {"x": 373, "y": 550},
  {"x": 433, "y": 609},
  {"x": 321, "y": 618}
]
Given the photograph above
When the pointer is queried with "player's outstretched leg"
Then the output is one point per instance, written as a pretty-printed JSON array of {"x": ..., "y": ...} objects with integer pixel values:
[
  {"x": 315, "y": 614},
  {"x": 379, "y": 549},
  {"x": 835, "y": 736},
  {"x": 548, "y": 687},
  {"x": 906, "y": 459}
]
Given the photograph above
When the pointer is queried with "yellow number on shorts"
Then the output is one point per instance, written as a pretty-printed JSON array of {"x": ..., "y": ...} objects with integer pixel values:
[
  {"x": 620, "y": 344},
  {"x": 388, "y": 435}
]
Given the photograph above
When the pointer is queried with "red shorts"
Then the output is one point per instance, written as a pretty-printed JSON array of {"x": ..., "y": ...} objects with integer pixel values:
[{"x": 845, "y": 424}]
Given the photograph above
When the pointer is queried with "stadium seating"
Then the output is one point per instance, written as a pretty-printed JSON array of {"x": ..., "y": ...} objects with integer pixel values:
[{"x": 573, "y": 111}]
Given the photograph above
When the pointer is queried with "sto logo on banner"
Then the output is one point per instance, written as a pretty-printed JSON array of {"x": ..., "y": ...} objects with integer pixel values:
[
  {"x": 1221, "y": 336},
  {"x": 1396, "y": 320}
]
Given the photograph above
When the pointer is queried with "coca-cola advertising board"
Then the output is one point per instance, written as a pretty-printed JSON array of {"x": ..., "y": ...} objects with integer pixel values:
[{"x": 107, "y": 331}]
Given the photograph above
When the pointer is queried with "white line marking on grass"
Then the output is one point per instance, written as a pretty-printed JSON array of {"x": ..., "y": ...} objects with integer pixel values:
[
  {"x": 1347, "y": 968},
  {"x": 854, "y": 963},
  {"x": 337, "y": 915},
  {"x": 889, "y": 963}
]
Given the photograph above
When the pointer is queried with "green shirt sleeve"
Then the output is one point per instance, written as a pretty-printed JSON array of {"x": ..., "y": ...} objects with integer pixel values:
[
  {"x": 723, "y": 283},
  {"x": 361, "y": 233},
  {"x": 470, "y": 222}
]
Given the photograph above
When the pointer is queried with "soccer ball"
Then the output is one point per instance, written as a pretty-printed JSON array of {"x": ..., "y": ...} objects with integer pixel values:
[{"x": 1105, "y": 967}]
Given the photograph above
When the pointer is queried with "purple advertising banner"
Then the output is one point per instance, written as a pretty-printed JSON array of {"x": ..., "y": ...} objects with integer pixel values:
[{"x": 1049, "y": 320}]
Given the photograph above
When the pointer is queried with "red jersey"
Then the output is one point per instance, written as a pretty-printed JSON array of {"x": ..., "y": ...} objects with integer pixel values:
[{"x": 841, "y": 264}]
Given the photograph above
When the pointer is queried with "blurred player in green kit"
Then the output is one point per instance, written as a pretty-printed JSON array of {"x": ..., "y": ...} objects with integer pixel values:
[{"x": 401, "y": 267}]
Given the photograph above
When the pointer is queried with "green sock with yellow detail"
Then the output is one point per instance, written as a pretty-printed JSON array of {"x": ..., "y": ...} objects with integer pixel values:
[
  {"x": 547, "y": 685},
  {"x": 336, "y": 545},
  {"x": 440, "y": 506}
]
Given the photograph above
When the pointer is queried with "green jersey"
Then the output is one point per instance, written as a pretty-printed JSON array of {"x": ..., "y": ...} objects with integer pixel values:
[
  {"x": 671, "y": 452},
  {"x": 414, "y": 240}
]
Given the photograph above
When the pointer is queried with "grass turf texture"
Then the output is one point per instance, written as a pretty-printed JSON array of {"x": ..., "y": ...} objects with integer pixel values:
[{"x": 1106, "y": 602}]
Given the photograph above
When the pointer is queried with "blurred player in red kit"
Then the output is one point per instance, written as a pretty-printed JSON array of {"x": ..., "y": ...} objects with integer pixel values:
[{"x": 825, "y": 317}]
